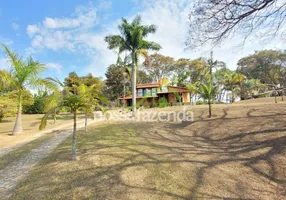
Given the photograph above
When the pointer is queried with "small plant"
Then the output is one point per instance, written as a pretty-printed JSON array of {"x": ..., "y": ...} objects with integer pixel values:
[
  {"x": 163, "y": 102},
  {"x": 200, "y": 102},
  {"x": 154, "y": 103}
]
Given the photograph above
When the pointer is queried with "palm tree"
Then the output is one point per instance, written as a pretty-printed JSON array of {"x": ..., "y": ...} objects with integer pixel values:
[
  {"x": 126, "y": 72},
  {"x": 23, "y": 75},
  {"x": 232, "y": 80},
  {"x": 92, "y": 96},
  {"x": 132, "y": 40},
  {"x": 208, "y": 91},
  {"x": 193, "y": 88},
  {"x": 230, "y": 83},
  {"x": 51, "y": 101},
  {"x": 83, "y": 99}
]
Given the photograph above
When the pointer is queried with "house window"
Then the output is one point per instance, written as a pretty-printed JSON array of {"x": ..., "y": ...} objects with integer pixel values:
[
  {"x": 154, "y": 92},
  {"x": 148, "y": 92},
  {"x": 164, "y": 89},
  {"x": 140, "y": 92}
]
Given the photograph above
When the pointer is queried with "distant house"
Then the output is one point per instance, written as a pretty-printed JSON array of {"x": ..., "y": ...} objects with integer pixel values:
[{"x": 153, "y": 91}]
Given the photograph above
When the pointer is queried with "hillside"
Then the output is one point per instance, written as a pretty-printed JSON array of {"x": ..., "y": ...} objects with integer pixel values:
[{"x": 238, "y": 154}]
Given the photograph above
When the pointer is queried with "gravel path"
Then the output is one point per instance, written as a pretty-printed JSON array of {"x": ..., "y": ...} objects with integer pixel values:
[
  {"x": 6, "y": 150},
  {"x": 10, "y": 175}
]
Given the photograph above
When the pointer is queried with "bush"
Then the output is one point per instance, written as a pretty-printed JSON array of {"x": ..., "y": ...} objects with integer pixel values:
[
  {"x": 8, "y": 106},
  {"x": 163, "y": 102},
  {"x": 200, "y": 102},
  {"x": 154, "y": 103},
  {"x": 37, "y": 107},
  {"x": 1, "y": 115}
]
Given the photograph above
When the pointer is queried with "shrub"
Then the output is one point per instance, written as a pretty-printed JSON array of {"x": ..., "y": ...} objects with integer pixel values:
[
  {"x": 36, "y": 108},
  {"x": 200, "y": 102},
  {"x": 154, "y": 103},
  {"x": 1, "y": 115},
  {"x": 163, "y": 102}
]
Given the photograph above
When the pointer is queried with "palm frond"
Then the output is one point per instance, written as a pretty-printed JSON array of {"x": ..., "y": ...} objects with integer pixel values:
[
  {"x": 147, "y": 45},
  {"x": 43, "y": 123}
]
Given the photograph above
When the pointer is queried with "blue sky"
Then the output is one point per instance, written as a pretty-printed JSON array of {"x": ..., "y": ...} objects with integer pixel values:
[{"x": 68, "y": 35}]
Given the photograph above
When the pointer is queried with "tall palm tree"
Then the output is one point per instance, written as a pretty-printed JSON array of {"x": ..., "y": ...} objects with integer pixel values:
[
  {"x": 132, "y": 40},
  {"x": 23, "y": 74}
]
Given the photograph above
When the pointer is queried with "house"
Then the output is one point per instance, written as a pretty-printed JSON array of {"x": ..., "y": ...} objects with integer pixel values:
[{"x": 149, "y": 93}]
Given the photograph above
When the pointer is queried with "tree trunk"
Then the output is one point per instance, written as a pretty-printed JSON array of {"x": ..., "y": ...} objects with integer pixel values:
[
  {"x": 85, "y": 122},
  {"x": 133, "y": 83},
  {"x": 210, "y": 108},
  {"x": 54, "y": 116},
  {"x": 275, "y": 96},
  {"x": 232, "y": 96},
  {"x": 74, "y": 136},
  {"x": 18, "y": 124},
  {"x": 123, "y": 97},
  {"x": 282, "y": 94}
]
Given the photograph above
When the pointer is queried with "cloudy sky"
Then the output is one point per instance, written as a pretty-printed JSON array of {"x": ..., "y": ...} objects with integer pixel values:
[{"x": 69, "y": 35}]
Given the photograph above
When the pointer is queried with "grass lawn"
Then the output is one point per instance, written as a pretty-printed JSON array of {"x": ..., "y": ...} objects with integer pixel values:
[
  {"x": 238, "y": 154},
  {"x": 30, "y": 125}
]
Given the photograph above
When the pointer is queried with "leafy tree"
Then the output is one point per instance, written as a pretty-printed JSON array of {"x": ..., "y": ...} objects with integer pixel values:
[
  {"x": 132, "y": 40},
  {"x": 158, "y": 66},
  {"x": 72, "y": 82},
  {"x": 23, "y": 74},
  {"x": 213, "y": 20},
  {"x": 8, "y": 106},
  {"x": 90, "y": 80},
  {"x": 143, "y": 77},
  {"x": 268, "y": 66},
  {"x": 38, "y": 104},
  {"x": 115, "y": 82},
  {"x": 199, "y": 70},
  {"x": 181, "y": 72}
]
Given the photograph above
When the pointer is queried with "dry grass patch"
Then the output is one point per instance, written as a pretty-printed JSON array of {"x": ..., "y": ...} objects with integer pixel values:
[
  {"x": 30, "y": 127},
  {"x": 238, "y": 154}
]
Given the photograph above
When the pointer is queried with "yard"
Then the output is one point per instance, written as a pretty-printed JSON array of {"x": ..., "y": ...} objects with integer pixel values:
[
  {"x": 238, "y": 154},
  {"x": 30, "y": 127}
]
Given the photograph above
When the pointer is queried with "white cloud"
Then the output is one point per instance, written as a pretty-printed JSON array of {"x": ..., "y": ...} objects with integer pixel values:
[
  {"x": 61, "y": 33},
  {"x": 54, "y": 66},
  {"x": 171, "y": 18},
  {"x": 32, "y": 30},
  {"x": 76, "y": 34},
  {"x": 15, "y": 26}
]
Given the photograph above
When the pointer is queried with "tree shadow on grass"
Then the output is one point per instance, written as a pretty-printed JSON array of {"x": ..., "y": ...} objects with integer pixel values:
[{"x": 169, "y": 161}]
